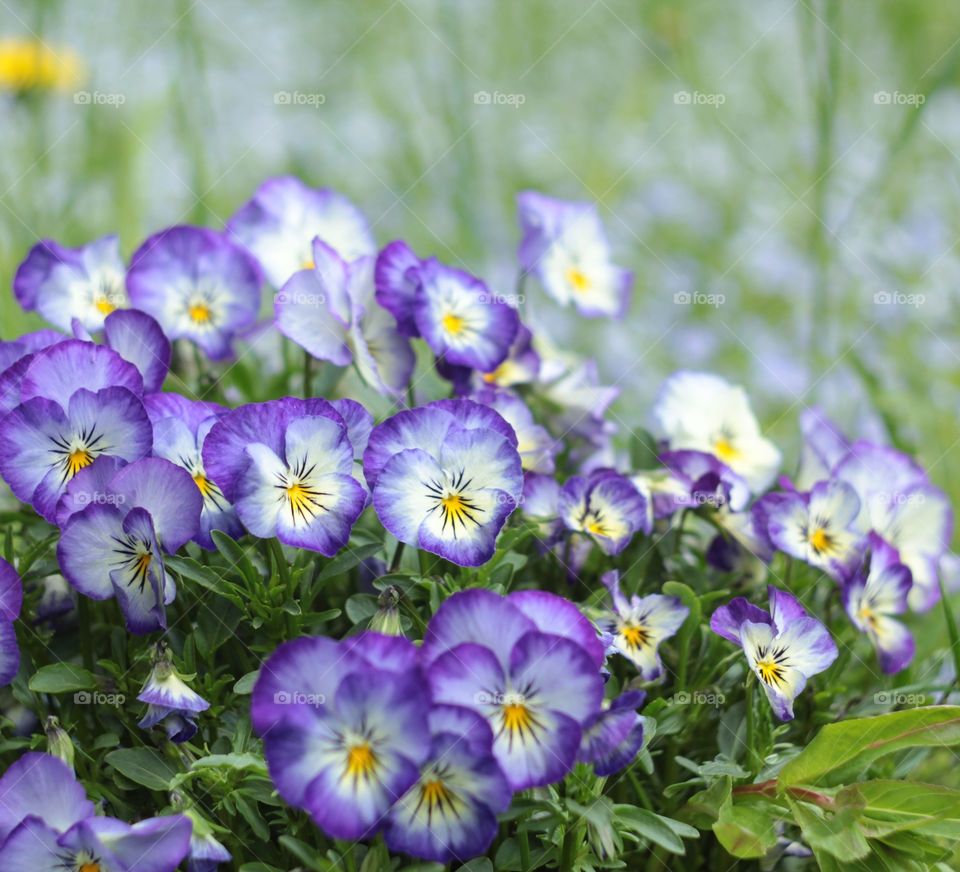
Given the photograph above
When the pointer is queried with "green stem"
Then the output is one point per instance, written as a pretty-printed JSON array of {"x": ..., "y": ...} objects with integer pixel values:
[
  {"x": 86, "y": 637},
  {"x": 524, "y": 839},
  {"x": 752, "y": 756},
  {"x": 307, "y": 373},
  {"x": 568, "y": 852},
  {"x": 397, "y": 557}
]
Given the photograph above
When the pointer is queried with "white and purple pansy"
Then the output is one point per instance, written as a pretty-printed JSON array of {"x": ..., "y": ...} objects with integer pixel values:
[
  {"x": 11, "y": 601},
  {"x": 700, "y": 411},
  {"x": 65, "y": 284},
  {"x": 520, "y": 366},
  {"x": 344, "y": 737},
  {"x": 784, "y": 647},
  {"x": 537, "y": 689},
  {"x": 605, "y": 506},
  {"x": 180, "y": 427},
  {"x": 565, "y": 247},
  {"x": 450, "y": 814},
  {"x": 707, "y": 480},
  {"x": 329, "y": 310},
  {"x": 116, "y": 522},
  {"x": 614, "y": 735},
  {"x": 206, "y": 851},
  {"x": 170, "y": 701},
  {"x": 536, "y": 446},
  {"x": 637, "y": 625},
  {"x": 463, "y": 322},
  {"x": 818, "y": 527},
  {"x": 874, "y": 597},
  {"x": 78, "y": 401},
  {"x": 444, "y": 478},
  {"x": 47, "y": 824},
  {"x": 279, "y": 224},
  {"x": 287, "y": 467},
  {"x": 138, "y": 338},
  {"x": 198, "y": 284}
]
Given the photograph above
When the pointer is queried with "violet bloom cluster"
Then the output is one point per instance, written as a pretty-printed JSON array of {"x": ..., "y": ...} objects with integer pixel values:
[
  {"x": 48, "y": 824},
  {"x": 427, "y": 745}
]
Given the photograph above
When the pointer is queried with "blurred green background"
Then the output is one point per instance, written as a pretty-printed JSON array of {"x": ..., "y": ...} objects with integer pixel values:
[{"x": 781, "y": 176}]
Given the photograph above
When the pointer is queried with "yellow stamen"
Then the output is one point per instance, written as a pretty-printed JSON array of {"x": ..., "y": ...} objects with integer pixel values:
[
  {"x": 78, "y": 459},
  {"x": 300, "y": 499},
  {"x": 516, "y": 717},
  {"x": 90, "y": 867},
  {"x": 143, "y": 563},
  {"x": 361, "y": 761},
  {"x": 596, "y": 528},
  {"x": 200, "y": 313},
  {"x": 308, "y": 264},
  {"x": 867, "y": 615},
  {"x": 204, "y": 485},
  {"x": 579, "y": 279},
  {"x": 770, "y": 671},
  {"x": 103, "y": 305},
  {"x": 725, "y": 450},
  {"x": 435, "y": 795},
  {"x": 820, "y": 540},
  {"x": 453, "y": 324},
  {"x": 635, "y": 635}
]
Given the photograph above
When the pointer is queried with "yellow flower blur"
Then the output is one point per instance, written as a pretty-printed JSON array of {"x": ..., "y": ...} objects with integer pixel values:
[{"x": 28, "y": 64}]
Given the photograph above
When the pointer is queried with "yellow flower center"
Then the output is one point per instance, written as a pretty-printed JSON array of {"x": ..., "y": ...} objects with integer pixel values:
[
  {"x": 635, "y": 635},
  {"x": 867, "y": 615},
  {"x": 578, "y": 279},
  {"x": 770, "y": 671},
  {"x": 436, "y": 796},
  {"x": 89, "y": 867},
  {"x": 725, "y": 450},
  {"x": 517, "y": 717},
  {"x": 204, "y": 485},
  {"x": 200, "y": 313},
  {"x": 103, "y": 305},
  {"x": 308, "y": 264},
  {"x": 453, "y": 324},
  {"x": 820, "y": 540},
  {"x": 361, "y": 761},
  {"x": 78, "y": 459}
]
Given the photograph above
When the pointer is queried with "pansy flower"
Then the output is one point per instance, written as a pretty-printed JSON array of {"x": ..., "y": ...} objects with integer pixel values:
[
  {"x": 284, "y": 217},
  {"x": 47, "y": 823},
  {"x": 180, "y": 427},
  {"x": 345, "y": 728},
  {"x": 463, "y": 322},
  {"x": 116, "y": 521},
  {"x": 445, "y": 477},
  {"x": 170, "y": 701},
  {"x": 536, "y": 688},
  {"x": 536, "y": 446},
  {"x": 703, "y": 412},
  {"x": 78, "y": 401},
  {"x": 11, "y": 601},
  {"x": 138, "y": 338},
  {"x": 605, "y": 506},
  {"x": 784, "y": 647},
  {"x": 637, "y": 625},
  {"x": 206, "y": 852},
  {"x": 62, "y": 284},
  {"x": 198, "y": 284},
  {"x": 330, "y": 311},
  {"x": 874, "y": 597},
  {"x": 286, "y": 465},
  {"x": 451, "y": 812},
  {"x": 613, "y": 736},
  {"x": 520, "y": 366},
  {"x": 818, "y": 527},
  {"x": 565, "y": 247}
]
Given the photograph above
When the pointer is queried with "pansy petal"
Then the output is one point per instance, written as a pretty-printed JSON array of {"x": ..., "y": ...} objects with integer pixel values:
[
  {"x": 557, "y": 615},
  {"x": 59, "y": 371},
  {"x": 139, "y": 339}
]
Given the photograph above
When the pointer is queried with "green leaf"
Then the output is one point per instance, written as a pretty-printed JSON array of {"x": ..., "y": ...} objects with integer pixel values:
[
  {"x": 347, "y": 560},
  {"x": 237, "y": 555},
  {"x": 232, "y": 761},
  {"x": 922, "y": 808},
  {"x": 361, "y": 607},
  {"x": 61, "y": 678},
  {"x": 654, "y": 828},
  {"x": 244, "y": 684},
  {"x": 951, "y": 623},
  {"x": 703, "y": 808},
  {"x": 479, "y": 864},
  {"x": 847, "y": 748},
  {"x": 744, "y": 831},
  {"x": 143, "y": 766},
  {"x": 838, "y": 834}
]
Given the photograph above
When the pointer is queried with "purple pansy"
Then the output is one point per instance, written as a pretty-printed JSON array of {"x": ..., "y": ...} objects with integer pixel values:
[
  {"x": 198, "y": 284},
  {"x": 284, "y": 217},
  {"x": 345, "y": 736},
  {"x": 605, "y": 506},
  {"x": 11, "y": 601},
  {"x": 613, "y": 736},
  {"x": 565, "y": 247},
  {"x": 707, "y": 481},
  {"x": 445, "y": 477},
  {"x": 872, "y": 599},
  {"x": 170, "y": 701},
  {"x": 464, "y": 324},
  {"x": 63, "y": 284},
  {"x": 451, "y": 812},
  {"x": 637, "y": 625},
  {"x": 180, "y": 427},
  {"x": 536, "y": 446},
  {"x": 116, "y": 522},
  {"x": 520, "y": 366},
  {"x": 48, "y": 824},
  {"x": 819, "y": 527},
  {"x": 330, "y": 311},
  {"x": 784, "y": 647},
  {"x": 286, "y": 465},
  {"x": 138, "y": 338},
  {"x": 535, "y": 688}
]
